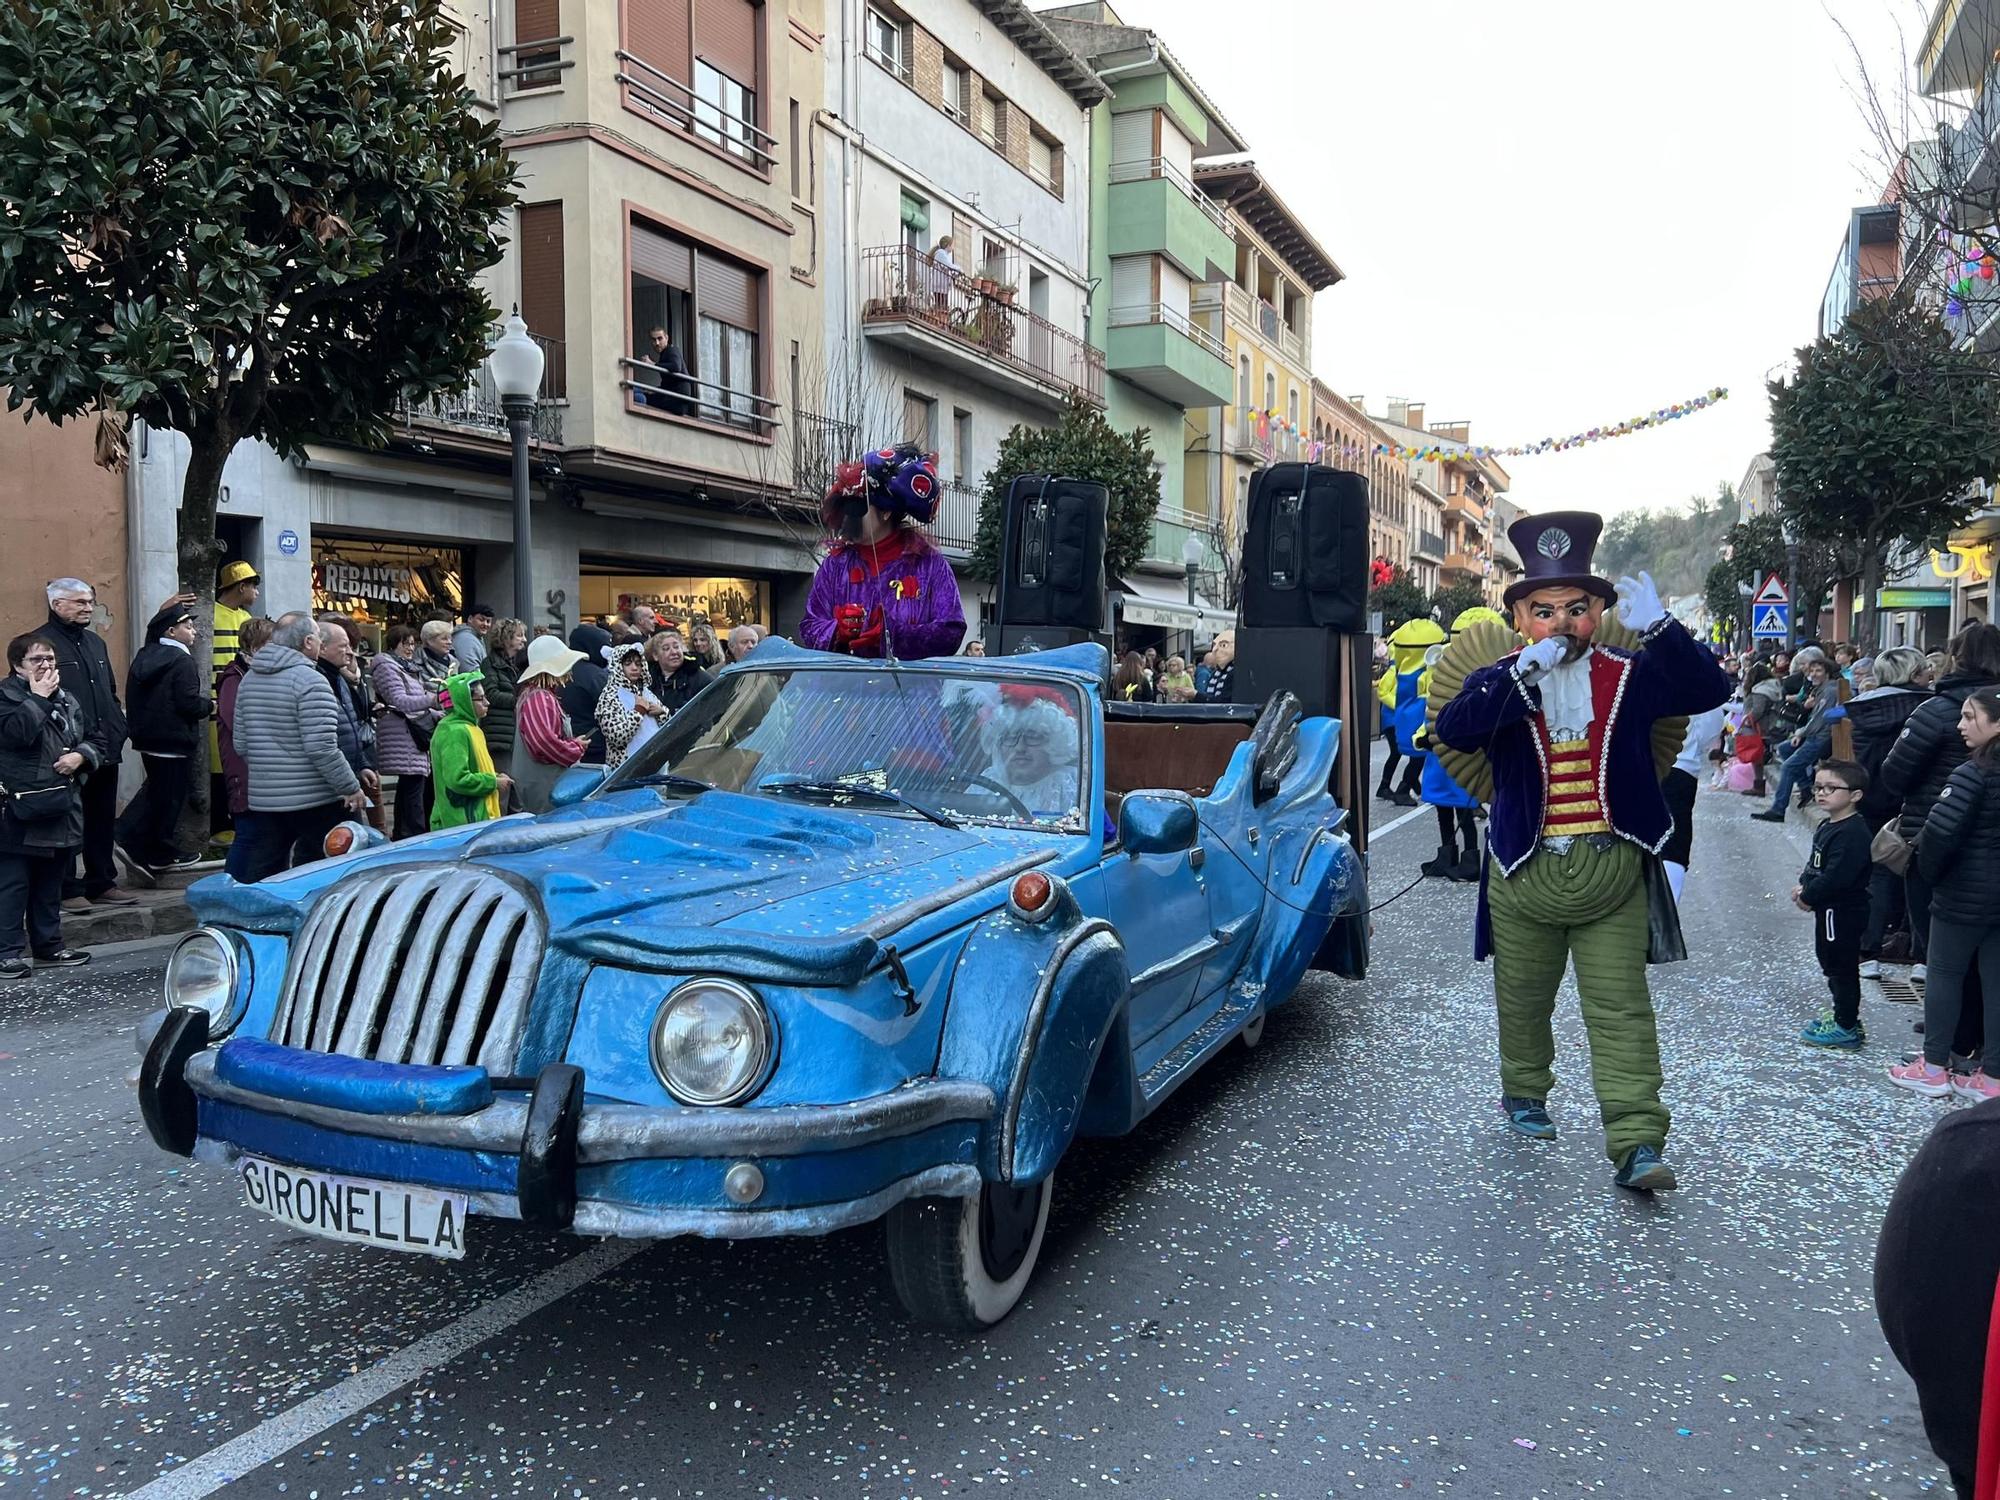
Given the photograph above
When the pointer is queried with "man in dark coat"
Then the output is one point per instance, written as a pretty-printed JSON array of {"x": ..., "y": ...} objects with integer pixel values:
[
  {"x": 85, "y": 666},
  {"x": 168, "y": 703}
]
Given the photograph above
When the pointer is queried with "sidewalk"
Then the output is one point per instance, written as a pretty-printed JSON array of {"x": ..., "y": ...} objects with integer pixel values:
[{"x": 159, "y": 912}]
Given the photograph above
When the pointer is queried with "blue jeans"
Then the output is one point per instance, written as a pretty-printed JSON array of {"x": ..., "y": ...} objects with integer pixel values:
[{"x": 1796, "y": 767}]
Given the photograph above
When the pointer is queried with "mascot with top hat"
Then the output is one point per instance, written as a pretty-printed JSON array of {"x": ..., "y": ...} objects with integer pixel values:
[{"x": 1566, "y": 739}]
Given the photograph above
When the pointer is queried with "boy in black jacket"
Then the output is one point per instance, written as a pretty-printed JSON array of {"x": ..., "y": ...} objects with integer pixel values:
[{"x": 1834, "y": 888}]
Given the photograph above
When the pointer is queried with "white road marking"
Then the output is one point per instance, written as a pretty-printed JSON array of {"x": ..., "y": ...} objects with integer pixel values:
[
  {"x": 278, "y": 1435},
  {"x": 1390, "y": 827}
]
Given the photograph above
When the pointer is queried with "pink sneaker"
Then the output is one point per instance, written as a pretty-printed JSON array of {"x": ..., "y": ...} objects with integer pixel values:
[
  {"x": 1975, "y": 1086},
  {"x": 1923, "y": 1078}
]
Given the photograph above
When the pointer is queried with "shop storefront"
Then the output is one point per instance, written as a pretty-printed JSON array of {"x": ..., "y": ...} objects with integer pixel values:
[
  {"x": 725, "y": 602},
  {"x": 379, "y": 584}
]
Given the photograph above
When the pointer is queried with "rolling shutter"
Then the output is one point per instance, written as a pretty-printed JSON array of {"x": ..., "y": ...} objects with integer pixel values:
[
  {"x": 1132, "y": 135},
  {"x": 662, "y": 258},
  {"x": 542, "y": 268},
  {"x": 725, "y": 291},
  {"x": 657, "y": 33},
  {"x": 1176, "y": 149},
  {"x": 1131, "y": 283},
  {"x": 725, "y": 37},
  {"x": 537, "y": 20},
  {"x": 1173, "y": 288}
]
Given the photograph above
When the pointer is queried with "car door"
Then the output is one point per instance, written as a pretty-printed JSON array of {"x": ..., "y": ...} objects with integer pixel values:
[{"x": 1159, "y": 904}]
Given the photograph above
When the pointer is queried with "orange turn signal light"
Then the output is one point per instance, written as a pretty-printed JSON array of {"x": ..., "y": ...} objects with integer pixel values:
[
  {"x": 338, "y": 841},
  {"x": 1032, "y": 894}
]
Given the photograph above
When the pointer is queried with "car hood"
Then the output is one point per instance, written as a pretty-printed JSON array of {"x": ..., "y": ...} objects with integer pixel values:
[{"x": 749, "y": 885}]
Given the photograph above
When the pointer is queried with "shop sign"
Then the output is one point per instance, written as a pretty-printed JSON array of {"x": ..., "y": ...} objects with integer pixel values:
[
  {"x": 344, "y": 580},
  {"x": 1969, "y": 560},
  {"x": 718, "y": 598},
  {"x": 1913, "y": 598}
]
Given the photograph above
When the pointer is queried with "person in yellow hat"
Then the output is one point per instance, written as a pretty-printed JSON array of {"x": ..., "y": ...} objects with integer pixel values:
[
  {"x": 1455, "y": 806},
  {"x": 236, "y": 590},
  {"x": 1403, "y": 705}
]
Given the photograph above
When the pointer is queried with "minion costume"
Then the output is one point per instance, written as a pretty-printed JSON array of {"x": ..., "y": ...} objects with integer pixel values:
[
  {"x": 1403, "y": 704},
  {"x": 1454, "y": 804},
  {"x": 1569, "y": 731}
]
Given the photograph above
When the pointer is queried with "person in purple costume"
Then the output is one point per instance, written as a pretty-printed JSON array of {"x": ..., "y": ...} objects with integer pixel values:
[{"x": 884, "y": 590}]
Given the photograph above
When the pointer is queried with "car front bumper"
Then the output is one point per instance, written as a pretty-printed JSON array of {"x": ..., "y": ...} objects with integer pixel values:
[{"x": 549, "y": 1154}]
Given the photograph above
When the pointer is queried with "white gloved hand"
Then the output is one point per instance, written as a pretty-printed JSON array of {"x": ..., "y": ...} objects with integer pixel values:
[
  {"x": 1537, "y": 661},
  {"x": 1639, "y": 607}
]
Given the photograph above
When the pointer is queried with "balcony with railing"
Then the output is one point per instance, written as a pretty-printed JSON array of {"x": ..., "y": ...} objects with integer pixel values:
[
  {"x": 955, "y": 523},
  {"x": 1171, "y": 529},
  {"x": 1153, "y": 208},
  {"x": 1465, "y": 564},
  {"x": 941, "y": 314},
  {"x": 1164, "y": 352},
  {"x": 474, "y": 406},
  {"x": 1427, "y": 545},
  {"x": 1466, "y": 507},
  {"x": 819, "y": 446},
  {"x": 651, "y": 388},
  {"x": 536, "y": 64},
  {"x": 667, "y": 101}
]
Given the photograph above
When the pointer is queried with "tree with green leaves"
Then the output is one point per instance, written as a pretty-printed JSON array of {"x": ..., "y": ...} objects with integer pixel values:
[
  {"x": 1081, "y": 446},
  {"x": 1755, "y": 549},
  {"x": 1880, "y": 435},
  {"x": 1454, "y": 599},
  {"x": 239, "y": 219},
  {"x": 1398, "y": 600}
]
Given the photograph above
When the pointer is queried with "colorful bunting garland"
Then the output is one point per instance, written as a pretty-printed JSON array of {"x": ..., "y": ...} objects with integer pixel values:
[{"x": 1659, "y": 418}]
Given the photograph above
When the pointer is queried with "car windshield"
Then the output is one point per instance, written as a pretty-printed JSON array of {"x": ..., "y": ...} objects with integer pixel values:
[{"x": 956, "y": 746}]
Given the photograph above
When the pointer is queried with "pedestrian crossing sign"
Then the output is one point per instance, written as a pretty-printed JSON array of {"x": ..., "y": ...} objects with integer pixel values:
[{"x": 1771, "y": 620}]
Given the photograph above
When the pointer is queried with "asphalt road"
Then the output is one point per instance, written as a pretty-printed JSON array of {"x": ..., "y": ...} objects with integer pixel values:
[{"x": 1324, "y": 1269}]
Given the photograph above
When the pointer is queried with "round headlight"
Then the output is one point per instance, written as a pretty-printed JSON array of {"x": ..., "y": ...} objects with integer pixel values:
[
  {"x": 711, "y": 1042},
  {"x": 205, "y": 973}
]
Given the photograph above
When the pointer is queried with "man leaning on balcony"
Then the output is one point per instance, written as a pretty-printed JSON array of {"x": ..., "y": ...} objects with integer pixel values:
[{"x": 661, "y": 377}]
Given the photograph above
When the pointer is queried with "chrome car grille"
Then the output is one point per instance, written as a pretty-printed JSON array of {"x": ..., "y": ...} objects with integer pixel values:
[{"x": 424, "y": 966}]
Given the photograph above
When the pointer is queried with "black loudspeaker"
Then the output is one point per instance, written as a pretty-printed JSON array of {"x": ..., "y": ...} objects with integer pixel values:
[
  {"x": 1052, "y": 558},
  {"x": 1305, "y": 555},
  {"x": 1332, "y": 675}
]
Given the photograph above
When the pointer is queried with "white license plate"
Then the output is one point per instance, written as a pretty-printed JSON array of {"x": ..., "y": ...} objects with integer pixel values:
[{"x": 387, "y": 1215}]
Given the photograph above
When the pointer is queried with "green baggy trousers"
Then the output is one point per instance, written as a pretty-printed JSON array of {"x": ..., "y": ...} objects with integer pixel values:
[{"x": 1590, "y": 903}]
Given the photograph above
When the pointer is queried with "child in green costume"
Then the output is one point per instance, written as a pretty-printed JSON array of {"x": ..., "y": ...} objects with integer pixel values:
[{"x": 469, "y": 790}]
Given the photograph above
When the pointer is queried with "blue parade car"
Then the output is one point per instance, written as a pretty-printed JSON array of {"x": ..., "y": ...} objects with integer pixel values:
[{"x": 844, "y": 940}]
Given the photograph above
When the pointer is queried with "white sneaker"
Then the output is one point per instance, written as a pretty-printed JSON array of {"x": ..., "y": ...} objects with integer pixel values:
[
  {"x": 1916, "y": 974},
  {"x": 1870, "y": 969}
]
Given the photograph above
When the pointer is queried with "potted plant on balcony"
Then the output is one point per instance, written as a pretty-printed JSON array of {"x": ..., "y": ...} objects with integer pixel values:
[
  {"x": 987, "y": 285},
  {"x": 1004, "y": 292}
]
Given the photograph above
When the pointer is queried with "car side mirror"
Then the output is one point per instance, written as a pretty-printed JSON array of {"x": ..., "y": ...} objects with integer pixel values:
[
  {"x": 575, "y": 784},
  {"x": 1157, "y": 823}
]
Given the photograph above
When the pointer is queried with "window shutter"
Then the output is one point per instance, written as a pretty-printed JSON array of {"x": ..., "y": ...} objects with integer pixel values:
[
  {"x": 725, "y": 37},
  {"x": 662, "y": 258},
  {"x": 1132, "y": 136},
  {"x": 542, "y": 268},
  {"x": 1173, "y": 288},
  {"x": 1176, "y": 148},
  {"x": 1131, "y": 282},
  {"x": 537, "y": 20},
  {"x": 657, "y": 32},
  {"x": 725, "y": 291}
]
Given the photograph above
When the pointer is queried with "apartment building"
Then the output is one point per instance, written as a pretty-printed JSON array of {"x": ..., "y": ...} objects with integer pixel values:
[
  {"x": 1346, "y": 437},
  {"x": 1265, "y": 312},
  {"x": 1453, "y": 504},
  {"x": 666, "y": 185},
  {"x": 953, "y": 158},
  {"x": 1155, "y": 239}
]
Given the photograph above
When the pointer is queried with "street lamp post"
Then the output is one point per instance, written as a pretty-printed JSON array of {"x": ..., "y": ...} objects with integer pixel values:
[
  {"x": 516, "y": 366},
  {"x": 1191, "y": 557}
]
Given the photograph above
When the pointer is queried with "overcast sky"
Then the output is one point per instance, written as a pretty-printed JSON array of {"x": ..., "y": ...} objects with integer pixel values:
[{"x": 1558, "y": 214}]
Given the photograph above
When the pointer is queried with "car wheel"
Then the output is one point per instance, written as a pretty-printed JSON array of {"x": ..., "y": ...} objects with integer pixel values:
[
  {"x": 1252, "y": 1034},
  {"x": 960, "y": 1264}
]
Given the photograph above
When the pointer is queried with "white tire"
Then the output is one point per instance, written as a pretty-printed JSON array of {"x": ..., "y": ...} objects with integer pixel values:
[{"x": 961, "y": 1264}]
